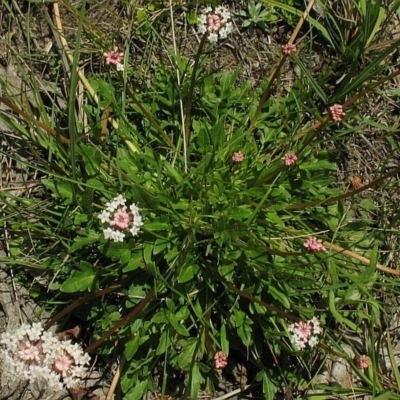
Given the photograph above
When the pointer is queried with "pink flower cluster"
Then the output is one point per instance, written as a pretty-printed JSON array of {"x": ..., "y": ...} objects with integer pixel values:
[
  {"x": 120, "y": 219},
  {"x": 114, "y": 57},
  {"x": 304, "y": 333},
  {"x": 237, "y": 157},
  {"x": 337, "y": 112},
  {"x": 216, "y": 22},
  {"x": 363, "y": 361},
  {"x": 288, "y": 49},
  {"x": 289, "y": 159},
  {"x": 314, "y": 245},
  {"x": 30, "y": 353},
  {"x": 220, "y": 360}
]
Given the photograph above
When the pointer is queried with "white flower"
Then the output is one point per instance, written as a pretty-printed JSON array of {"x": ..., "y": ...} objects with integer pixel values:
[
  {"x": 120, "y": 67},
  {"x": 216, "y": 23},
  {"x": 108, "y": 233},
  {"x": 134, "y": 230},
  {"x": 134, "y": 208},
  {"x": 104, "y": 217},
  {"x": 225, "y": 31},
  {"x": 213, "y": 37},
  {"x": 226, "y": 15},
  {"x": 118, "y": 236},
  {"x": 304, "y": 333},
  {"x": 137, "y": 220},
  {"x": 202, "y": 30},
  {"x": 120, "y": 219},
  {"x": 33, "y": 354}
]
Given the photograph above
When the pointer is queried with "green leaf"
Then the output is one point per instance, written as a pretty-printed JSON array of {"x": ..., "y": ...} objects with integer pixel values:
[
  {"x": 196, "y": 380},
  {"x": 79, "y": 282},
  {"x": 188, "y": 353},
  {"x": 138, "y": 391},
  {"x": 92, "y": 158},
  {"x": 164, "y": 342},
  {"x": 176, "y": 324},
  {"x": 339, "y": 318},
  {"x": 131, "y": 347},
  {"x": 86, "y": 267},
  {"x": 278, "y": 295},
  {"x": 224, "y": 340},
  {"x": 187, "y": 273},
  {"x": 83, "y": 241},
  {"x": 269, "y": 388},
  {"x": 62, "y": 190},
  {"x": 156, "y": 226},
  {"x": 314, "y": 84},
  {"x": 173, "y": 172},
  {"x": 299, "y": 13},
  {"x": 317, "y": 165},
  {"x": 135, "y": 261}
]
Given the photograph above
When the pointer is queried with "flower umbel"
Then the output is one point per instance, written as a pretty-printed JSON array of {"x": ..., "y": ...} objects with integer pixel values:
[
  {"x": 337, "y": 112},
  {"x": 289, "y": 159},
  {"x": 314, "y": 245},
  {"x": 116, "y": 58},
  {"x": 238, "y": 157},
  {"x": 120, "y": 219},
  {"x": 38, "y": 356},
  {"x": 220, "y": 360},
  {"x": 304, "y": 333},
  {"x": 363, "y": 361},
  {"x": 288, "y": 49},
  {"x": 215, "y": 22}
]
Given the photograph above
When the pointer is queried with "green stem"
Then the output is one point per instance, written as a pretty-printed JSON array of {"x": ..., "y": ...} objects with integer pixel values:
[
  {"x": 150, "y": 118},
  {"x": 188, "y": 115}
]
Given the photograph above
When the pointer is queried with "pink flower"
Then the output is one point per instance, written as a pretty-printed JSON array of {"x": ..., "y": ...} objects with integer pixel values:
[
  {"x": 363, "y": 362},
  {"x": 63, "y": 364},
  {"x": 238, "y": 157},
  {"x": 304, "y": 333},
  {"x": 289, "y": 159},
  {"x": 30, "y": 351},
  {"x": 121, "y": 219},
  {"x": 288, "y": 49},
  {"x": 220, "y": 360},
  {"x": 214, "y": 22},
  {"x": 314, "y": 245},
  {"x": 303, "y": 330},
  {"x": 337, "y": 112},
  {"x": 40, "y": 357},
  {"x": 114, "y": 57}
]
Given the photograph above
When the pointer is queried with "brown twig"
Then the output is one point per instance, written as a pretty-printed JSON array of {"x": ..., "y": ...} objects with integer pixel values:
[
  {"x": 33, "y": 120},
  {"x": 248, "y": 296},
  {"x": 114, "y": 383},
  {"x": 300, "y": 206},
  {"x": 121, "y": 322},
  {"x": 278, "y": 66},
  {"x": 82, "y": 300}
]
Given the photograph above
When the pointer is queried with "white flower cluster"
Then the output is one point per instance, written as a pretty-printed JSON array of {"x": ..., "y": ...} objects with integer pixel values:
[
  {"x": 216, "y": 23},
  {"x": 120, "y": 219},
  {"x": 30, "y": 353},
  {"x": 304, "y": 333}
]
